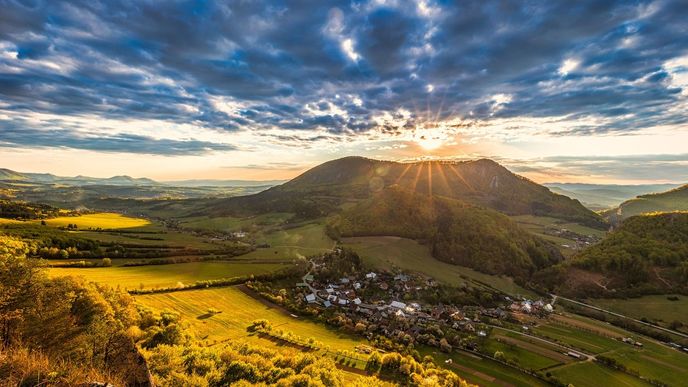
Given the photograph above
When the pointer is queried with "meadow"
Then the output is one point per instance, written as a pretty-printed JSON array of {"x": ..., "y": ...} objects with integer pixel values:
[
  {"x": 100, "y": 220},
  {"x": 230, "y": 224},
  {"x": 238, "y": 310},
  {"x": 291, "y": 243},
  {"x": 654, "y": 308},
  {"x": 386, "y": 252},
  {"x": 591, "y": 374},
  {"x": 483, "y": 372},
  {"x": 162, "y": 276}
]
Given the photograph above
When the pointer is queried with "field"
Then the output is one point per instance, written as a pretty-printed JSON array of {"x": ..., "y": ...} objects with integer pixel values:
[
  {"x": 407, "y": 254},
  {"x": 100, "y": 220},
  {"x": 238, "y": 311},
  {"x": 591, "y": 374},
  {"x": 483, "y": 372},
  {"x": 160, "y": 276},
  {"x": 534, "y": 356},
  {"x": 654, "y": 308},
  {"x": 576, "y": 338},
  {"x": 229, "y": 224},
  {"x": 290, "y": 243}
]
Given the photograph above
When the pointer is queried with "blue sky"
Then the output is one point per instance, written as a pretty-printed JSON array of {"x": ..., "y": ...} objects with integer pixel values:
[{"x": 556, "y": 90}]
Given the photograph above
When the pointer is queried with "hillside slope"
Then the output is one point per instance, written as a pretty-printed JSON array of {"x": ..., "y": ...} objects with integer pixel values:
[
  {"x": 646, "y": 254},
  {"x": 605, "y": 196},
  {"x": 673, "y": 200},
  {"x": 457, "y": 232},
  {"x": 322, "y": 189}
]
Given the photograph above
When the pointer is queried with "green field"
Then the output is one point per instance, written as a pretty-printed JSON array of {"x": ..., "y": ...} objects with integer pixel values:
[
  {"x": 229, "y": 224},
  {"x": 576, "y": 338},
  {"x": 238, "y": 311},
  {"x": 591, "y": 374},
  {"x": 523, "y": 357},
  {"x": 654, "y": 308},
  {"x": 386, "y": 252},
  {"x": 290, "y": 243},
  {"x": 483, "y": 372},
  {"x": 161, "y": 276},
  {"x": 100, "y": 220}
]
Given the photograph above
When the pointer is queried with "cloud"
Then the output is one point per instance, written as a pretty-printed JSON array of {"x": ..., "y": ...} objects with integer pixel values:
[{"x": 273, "y": 70}]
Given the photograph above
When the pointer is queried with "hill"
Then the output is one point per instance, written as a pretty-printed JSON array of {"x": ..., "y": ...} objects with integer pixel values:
[
  {"x": 457, "y": 232},
  {"x": 10, "y": 175},
  {"x": 324, "y": 188},
  {"x": 605, "y": 196},
  {"x": 673, "y": 200},
  {"x": 646, "y": 254}
]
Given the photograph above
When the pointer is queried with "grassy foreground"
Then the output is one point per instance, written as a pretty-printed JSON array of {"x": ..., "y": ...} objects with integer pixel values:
[{"x": 238, "y": 311}]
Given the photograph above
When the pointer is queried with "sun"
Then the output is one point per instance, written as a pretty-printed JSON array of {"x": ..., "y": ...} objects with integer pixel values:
[{"x": 430, "y": 138}]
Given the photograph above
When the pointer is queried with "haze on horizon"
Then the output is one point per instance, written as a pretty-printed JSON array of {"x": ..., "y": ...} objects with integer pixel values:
[{"x": 591, "y": 92}]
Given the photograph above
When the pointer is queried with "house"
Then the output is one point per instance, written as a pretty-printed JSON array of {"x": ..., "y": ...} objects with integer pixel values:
[
  {"x": 344, "y": 281},
  {"x": 371, "y": 275},
  {"x": 482, "y": 333},
  {"x": 327, "y": 304},
  {"x": 357, "y": 301},
  {"x": 397, "y": 305},
  {"x": 310, "y": 298},
  {"x": 574, "y": 355},
  {"x": 401, "y": 277},
  {"x": 343, "y": 301},
  {"x": 548, "y": 308},
  {"x": 384, "y": 286},
  {"x": 308, "y": 278},
  {"x": 357, "y": 285},
  {"x": 399, "y": 313}
]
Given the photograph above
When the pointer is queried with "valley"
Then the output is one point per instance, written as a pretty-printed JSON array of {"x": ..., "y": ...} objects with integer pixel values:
[{"x": 220, "y": 275}]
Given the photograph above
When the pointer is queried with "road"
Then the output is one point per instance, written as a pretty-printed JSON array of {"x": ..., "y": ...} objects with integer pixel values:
[{"x": 622, "y": 316}]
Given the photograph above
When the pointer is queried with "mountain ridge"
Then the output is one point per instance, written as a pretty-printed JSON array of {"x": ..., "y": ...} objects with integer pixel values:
[{"x": 482, "y": 182}]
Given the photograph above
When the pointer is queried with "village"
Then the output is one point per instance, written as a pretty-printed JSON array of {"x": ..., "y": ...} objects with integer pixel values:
[{"x": 390, "y": 304}]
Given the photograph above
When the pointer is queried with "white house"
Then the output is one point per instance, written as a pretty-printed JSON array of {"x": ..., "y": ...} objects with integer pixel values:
[
  {"x": 310, "y": 298},
  {"x": 371, "y": 275},
  {"x": 357, "y": 301},
  {"x": 398, "y": 305}
]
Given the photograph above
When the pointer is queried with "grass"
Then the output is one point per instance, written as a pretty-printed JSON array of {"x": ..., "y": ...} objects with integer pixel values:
[
  {"x": 654, "y": 308},
  {"x": 290, "y": 243},
  {"x": 483, "y": 372},
  {"x": 655, "y": 361},
  {"x": 524, "y": 357},
  {"x": 99, "y": 220},
  {"x": 591, "y": 374},
  {"x": 238, "y": 311},
  {"x": 228, "y": 223},
  {"x": 576, "y": 338},
  {"x": 407, "y": 254},
  {"x": 160, "y": 276}
]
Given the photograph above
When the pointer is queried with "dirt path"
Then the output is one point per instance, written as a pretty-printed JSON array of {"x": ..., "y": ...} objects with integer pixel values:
[{"x": 661, "y": 278}]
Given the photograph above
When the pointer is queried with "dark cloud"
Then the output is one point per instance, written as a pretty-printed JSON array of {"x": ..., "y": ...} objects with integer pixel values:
[
  {"x": 106, "y": 143},
  {"x": 171, "y": 61}
]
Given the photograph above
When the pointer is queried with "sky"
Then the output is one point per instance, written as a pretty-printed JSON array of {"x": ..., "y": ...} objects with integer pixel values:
[{"x": 558, "y": 91}]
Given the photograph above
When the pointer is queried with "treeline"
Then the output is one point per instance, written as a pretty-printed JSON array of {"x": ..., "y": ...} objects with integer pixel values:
[{"x": 26, "y": 211}]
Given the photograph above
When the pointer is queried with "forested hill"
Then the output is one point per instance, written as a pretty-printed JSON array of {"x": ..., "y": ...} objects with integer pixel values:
[
  {"x": 482, "y": 182},
  {"x": 673, "y": 200},
  {"x": 646, "y": 254},
  {"x": 457, "y": 232}
]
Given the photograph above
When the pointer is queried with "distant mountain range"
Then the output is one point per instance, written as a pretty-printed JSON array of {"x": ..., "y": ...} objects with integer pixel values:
[
  {"x": 47, "y": 178},
  {"x": 605, "y": 196}
]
